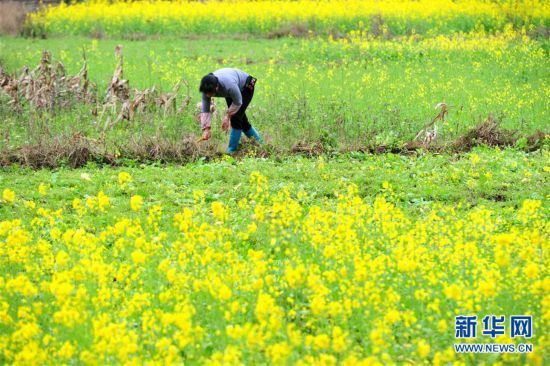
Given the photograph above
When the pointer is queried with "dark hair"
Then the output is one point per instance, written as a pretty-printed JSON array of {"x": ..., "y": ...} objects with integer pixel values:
[{"x": 208, "y": 83}]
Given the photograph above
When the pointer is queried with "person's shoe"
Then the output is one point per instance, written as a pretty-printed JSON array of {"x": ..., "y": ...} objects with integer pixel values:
[
  {"x": 234, "y": 137},
  {"x": 253, "y": 133}
]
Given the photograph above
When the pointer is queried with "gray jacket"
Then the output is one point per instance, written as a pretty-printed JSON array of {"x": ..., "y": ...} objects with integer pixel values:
[{"x": 231, "y": 81}]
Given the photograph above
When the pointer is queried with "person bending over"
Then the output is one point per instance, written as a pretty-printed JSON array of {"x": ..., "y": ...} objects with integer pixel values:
[{"x": 237, "y": 87}]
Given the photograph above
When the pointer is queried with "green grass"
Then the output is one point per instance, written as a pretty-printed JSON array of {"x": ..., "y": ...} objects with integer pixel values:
[
  {"x": 344, "y": 93},
  {"x": 497, "y": 181}
]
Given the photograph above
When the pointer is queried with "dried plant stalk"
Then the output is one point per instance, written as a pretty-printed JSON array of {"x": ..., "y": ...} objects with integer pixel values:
[{"x": 429, "y": 132}]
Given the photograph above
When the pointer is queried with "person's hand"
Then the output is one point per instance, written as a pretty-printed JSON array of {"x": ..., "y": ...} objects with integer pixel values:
[
  {"x": 225, "y": 123},
  {"x": 206, "y": 134}
]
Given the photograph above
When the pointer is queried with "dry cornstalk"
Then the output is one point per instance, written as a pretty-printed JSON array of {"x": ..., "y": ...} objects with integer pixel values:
[
  {"x": 49, "y": 87},
  {"x": 429, "y": 132}
]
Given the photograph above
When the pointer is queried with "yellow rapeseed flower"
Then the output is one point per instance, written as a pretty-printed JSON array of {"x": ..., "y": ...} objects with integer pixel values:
[
  {"x": 136, "y": 202},
  {"x": 42, "y": 188},
  {"x": 123, "y": 179},
  {"x": 8, "y": 195}
]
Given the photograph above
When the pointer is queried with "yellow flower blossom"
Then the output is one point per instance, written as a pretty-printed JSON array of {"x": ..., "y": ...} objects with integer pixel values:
[
  {"x": 136, "y": 202},
  {"x": 42, "y": 189},
  {"x": 123, "y": 179},
  {"x": 422, "y": 348},
  {"x": 219, "y": 211},
  {"x": 138, "y": 257},
  {"x": 8, "y": 195}
]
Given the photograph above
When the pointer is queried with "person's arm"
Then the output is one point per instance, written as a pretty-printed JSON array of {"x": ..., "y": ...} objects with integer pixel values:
[
  {"x": 206, "y": 121},
  {"x": 237, "y": 100},
  {"x": 206, "y": 116},
  {"x": 236, "y": 103}
]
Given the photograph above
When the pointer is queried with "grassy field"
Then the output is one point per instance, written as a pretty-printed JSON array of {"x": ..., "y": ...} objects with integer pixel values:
[
  {"x": 345, "y": 94},
  {"x": 123, "y": 241}
]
